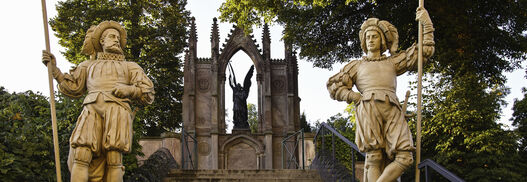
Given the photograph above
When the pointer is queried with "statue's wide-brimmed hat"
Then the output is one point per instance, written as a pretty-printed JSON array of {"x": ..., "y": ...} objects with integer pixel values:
[
  {"x": 389, "y": 34},
  {"x": 93, "y": 35}
]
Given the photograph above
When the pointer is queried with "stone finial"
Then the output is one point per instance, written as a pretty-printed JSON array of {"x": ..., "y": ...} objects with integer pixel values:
[
  {"x": 193, "y": 39},
  {"x": 193, "y": 34},
  {"x": 266, "y": 41},
  {"x": 215, "y": 38}
]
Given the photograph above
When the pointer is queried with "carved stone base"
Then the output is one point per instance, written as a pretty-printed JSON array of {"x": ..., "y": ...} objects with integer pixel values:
[{"x": 237, "y": 131}]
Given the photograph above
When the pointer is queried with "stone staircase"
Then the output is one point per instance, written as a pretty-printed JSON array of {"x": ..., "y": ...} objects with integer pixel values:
[{"x": 220, "y": 175}]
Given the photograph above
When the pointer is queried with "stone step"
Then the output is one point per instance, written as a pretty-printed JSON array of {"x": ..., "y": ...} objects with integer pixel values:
[{"x": 221, "y": 175}]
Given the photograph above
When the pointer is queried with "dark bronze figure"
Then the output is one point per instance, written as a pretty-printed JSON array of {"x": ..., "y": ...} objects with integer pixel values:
[{"x": 239, "y": 97}]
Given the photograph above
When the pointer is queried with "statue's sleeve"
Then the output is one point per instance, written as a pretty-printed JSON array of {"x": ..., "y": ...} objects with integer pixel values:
[
  {"x": 407, "y": 59},
  {"x": 73, "y": 84},
  {"x": 340, "y": 85},
  {"x": 139, "y": 79}
]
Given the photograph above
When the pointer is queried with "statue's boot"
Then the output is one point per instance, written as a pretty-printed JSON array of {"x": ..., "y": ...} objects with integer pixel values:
[
  {"x": 115, "y": 170},
  {"x": 395, "y": 169},
  {"x": 114, "y": 173},
  {"x": 374, "y": 165},
  {"x": 79, "y": 170}
]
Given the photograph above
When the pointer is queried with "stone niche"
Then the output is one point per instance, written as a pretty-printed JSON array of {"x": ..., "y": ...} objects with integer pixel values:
[
  {"x": 242, "y": 152},
  {"x": 204, "y": 102}
]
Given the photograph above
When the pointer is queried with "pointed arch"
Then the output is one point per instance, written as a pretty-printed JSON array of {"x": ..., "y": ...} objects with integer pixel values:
[{"x": 239, "y": 41}]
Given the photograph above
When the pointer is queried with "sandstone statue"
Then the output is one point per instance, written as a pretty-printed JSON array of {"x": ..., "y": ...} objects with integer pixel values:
[
  {"x": 381, "y": 131},
  {"x": 239, "y": 97},
  {"x": 103, "y": 131}
]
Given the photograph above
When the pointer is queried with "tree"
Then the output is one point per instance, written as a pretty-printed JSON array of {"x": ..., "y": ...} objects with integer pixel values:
[
  {"x": 326, "y": 31},
  {"x": 475, "y": 43},
  {"x": 304, "y": 124},
  {"x": 156, "y": 38},
  {"x": 26, "y": 135},
  {"x": 519, "y": 120},
  {"x": 460, "y": 132},
  {"x": 252, "y": 114}
]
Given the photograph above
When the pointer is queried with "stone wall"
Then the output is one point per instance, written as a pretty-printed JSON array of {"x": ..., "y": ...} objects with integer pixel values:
[
  {"x": 171, "y": 141},
  {"x": 309, "y": 148}
]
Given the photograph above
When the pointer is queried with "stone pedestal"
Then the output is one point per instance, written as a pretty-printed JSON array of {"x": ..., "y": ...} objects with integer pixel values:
[{"x": 241, "y": 131}]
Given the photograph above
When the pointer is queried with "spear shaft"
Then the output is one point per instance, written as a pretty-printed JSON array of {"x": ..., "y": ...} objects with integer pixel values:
[
  {"x": 51, "y": 95},
  {"x": 419, "y": 95}
]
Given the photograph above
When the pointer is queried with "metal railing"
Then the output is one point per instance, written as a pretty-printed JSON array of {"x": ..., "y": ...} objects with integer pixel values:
[
  {"x": 187, "y": 160},
  {"x": 428, "y": 163},
  {"x": 325, "y": 162},
  {"x": 289, "y": 161}
]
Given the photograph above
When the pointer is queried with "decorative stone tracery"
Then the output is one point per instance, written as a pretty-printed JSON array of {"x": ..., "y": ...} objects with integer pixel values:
[{"x": 204, "y": 98}]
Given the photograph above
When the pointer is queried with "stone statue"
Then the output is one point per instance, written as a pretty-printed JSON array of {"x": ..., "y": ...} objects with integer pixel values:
[
  {"x": 239, "y": 97},
  {"x": 103, "y": 131},
  {"x": 381, "y": 131}
]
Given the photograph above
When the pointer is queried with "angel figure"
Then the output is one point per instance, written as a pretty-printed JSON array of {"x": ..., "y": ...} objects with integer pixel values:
[{"x": 239, "y": 97}]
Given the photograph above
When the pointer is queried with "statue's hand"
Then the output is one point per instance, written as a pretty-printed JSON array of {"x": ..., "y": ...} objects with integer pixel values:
[
  {"x": 48, "y": 57},
  {"x": 422, "y": 16},
  {"x": 125, "y": 91},
  {"x": 354, "y": 97}
]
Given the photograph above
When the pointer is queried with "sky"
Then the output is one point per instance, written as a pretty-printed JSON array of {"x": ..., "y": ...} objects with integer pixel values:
[{"x": 22, "y": 36}]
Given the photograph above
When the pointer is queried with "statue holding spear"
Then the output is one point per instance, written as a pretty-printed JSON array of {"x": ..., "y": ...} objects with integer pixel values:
[
  {"x": 103, "y": 131},
  {"x": 381, "y": 131}
]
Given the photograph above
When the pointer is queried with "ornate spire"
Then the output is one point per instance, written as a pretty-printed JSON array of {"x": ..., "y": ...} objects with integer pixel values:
[
  {"x": 193, "y": 39},
  {"x": 215, "y": 38},
  {"x": 266, "y": 41}
]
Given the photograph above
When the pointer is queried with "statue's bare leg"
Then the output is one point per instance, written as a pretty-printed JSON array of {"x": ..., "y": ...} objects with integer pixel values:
[
  {"x": 403, "y": 160},
  {"x": 79, "y": 171},
  {"x": 115, "y": 170},
  {"x": 374, "y": 165}
]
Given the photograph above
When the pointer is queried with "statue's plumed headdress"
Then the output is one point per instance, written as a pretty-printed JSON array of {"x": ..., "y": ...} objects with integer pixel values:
[
  {"x": 389, "y": 34},
  {"x": 93, "y": 35}
]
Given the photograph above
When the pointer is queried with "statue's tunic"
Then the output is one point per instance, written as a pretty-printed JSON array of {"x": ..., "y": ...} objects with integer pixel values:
[
  {"x": 380, "y": 119},
  {"x": 106, "y": 120}
]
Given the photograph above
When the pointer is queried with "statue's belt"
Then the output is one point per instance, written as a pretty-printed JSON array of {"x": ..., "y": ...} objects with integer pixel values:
[{"x": 109, "y": 95}]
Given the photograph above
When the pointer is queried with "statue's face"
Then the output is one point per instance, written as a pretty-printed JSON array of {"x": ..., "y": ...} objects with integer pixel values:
[
  {"x": 111, "y": 41},
  {"x": 373, "y": 41}
]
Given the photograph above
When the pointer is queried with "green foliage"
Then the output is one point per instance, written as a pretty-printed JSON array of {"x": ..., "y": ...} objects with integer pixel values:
[
  {"x": 247, "y": 13},
  {"x": 252, "y": 114},
  {"x": 327, "y": 32},
  {"x": 156, "y": 38},
  {"x": 25, "y": 130},
  {"x": 304, "y": 124},
  {"x": 345, "y": 125},
  {"x": 27, "y": 142},
  {"x": 460, "y": 132},
  {"x": 26, "y": 150},
  {"x": 519, "y": 120}
]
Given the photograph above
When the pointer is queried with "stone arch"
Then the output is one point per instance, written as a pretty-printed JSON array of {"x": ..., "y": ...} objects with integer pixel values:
[
  {"x": 236, "y": 42},
  {"x": 239, "y": 41},
  {"x": 230, "y": 151}
]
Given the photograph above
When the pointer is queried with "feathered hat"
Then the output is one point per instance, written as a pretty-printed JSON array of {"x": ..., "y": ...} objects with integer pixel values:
[
  {"x": 93, "y": 35},
  {"x": 389, "y": 34}
]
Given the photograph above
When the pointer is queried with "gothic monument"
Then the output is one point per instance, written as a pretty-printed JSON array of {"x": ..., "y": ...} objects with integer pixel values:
[{"x": 204, "y": 104}]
